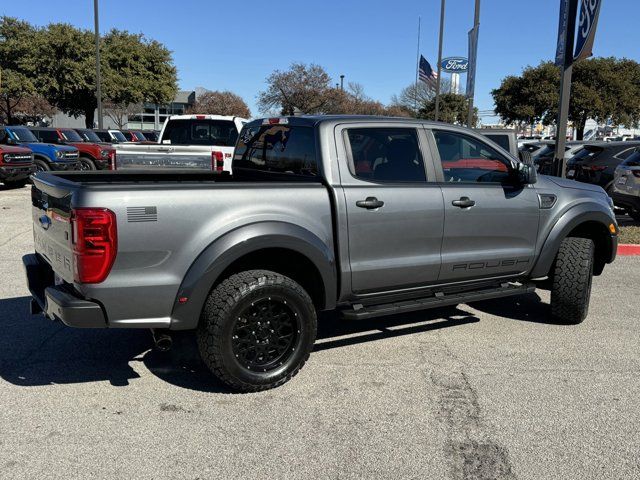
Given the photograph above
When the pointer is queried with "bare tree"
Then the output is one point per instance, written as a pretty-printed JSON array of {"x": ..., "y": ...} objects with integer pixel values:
[
  {"x": 418, "y": 96},
  {"x": 220, "y": 103},
  {"x": 120, "y": 113},
  {"x": 303, "y": 88}
]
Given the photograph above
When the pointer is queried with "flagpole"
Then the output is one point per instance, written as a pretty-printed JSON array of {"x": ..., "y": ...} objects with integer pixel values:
[
  {"x": 439, "y": 60},
  {"x": 476, "y": 25},
  {"x": 415, "y": 87}
]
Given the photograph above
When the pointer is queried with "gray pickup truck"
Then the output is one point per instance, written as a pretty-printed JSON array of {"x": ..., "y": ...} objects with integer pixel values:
[{"x": 364, "y": 215}]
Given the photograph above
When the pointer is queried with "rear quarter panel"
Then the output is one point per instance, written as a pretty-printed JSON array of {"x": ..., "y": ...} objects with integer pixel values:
[{"x": 154, "y": 256}]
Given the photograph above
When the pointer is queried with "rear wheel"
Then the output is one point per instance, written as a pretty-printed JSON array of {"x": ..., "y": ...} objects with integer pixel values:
[
  {"x": 256, "y": 330},
  {"x": 86, "y": 164},
  {"x": 572, "y": 277}
]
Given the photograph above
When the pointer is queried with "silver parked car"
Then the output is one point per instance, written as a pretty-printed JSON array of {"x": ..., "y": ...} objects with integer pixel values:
[{"x": 626, "y": 185}]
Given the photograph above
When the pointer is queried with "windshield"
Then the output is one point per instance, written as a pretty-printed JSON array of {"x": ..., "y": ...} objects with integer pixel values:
[
  {"x": 119, "y": 136},
  {"x": 23, "y": 134},
  {"x": 89, "y": 136},
  {"x": 545, "y": 151},
  {"x": 222, "y": 133},
  {"x": 589, "y": 152},
  {"x": 633, "y": 160},
  {"x": 139, "y": 136},
  {"x": 71, "y": 135}
]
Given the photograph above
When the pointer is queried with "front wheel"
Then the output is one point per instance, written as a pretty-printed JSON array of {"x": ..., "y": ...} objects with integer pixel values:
[
  {"x": 571, "y": 283},
  {"x": 41, "y": 165},
  {"x": 86, "y": 164},
  {"x": 15, "y": 183},
  {"x": 256, "y": 330}
]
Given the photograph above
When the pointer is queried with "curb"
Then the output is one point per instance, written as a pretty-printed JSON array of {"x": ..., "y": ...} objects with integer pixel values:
[{"x": 628, "y": 249}]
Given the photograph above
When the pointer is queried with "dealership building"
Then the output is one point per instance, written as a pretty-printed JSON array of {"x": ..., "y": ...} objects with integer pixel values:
[{"x": 151, "y": 116}]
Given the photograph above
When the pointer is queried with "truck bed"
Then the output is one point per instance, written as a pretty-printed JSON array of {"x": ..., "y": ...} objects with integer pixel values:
[{"x": 165, "y": 220}]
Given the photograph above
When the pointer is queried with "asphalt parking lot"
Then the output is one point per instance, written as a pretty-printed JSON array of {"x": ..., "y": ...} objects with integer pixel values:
[{"x": 491, "y": 390}]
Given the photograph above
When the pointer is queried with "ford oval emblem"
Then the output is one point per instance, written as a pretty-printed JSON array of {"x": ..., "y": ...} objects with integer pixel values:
[
  {"x": 455, "y": 64},
  {"x": 45, "y": 222}
]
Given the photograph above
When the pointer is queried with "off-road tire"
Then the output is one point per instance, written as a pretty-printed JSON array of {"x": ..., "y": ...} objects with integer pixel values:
[
  {"x": 86, "y": 164},
  {"x": 571, "y": 281},
  {"x": 221, "y": 312},
  {"x": 41, "y": 165},
  {"x": 15, "y": 183},
  {"x": 635, "y": 214}
]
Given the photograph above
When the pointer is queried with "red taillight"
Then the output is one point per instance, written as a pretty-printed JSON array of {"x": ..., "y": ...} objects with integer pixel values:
[
  {"x": 200, "y": 117},
  {"x": 217, "y": 161},
  {"x": 1, "y": 158},
  {"x": 112, "y": 160},
  {"x": 596, "y": 168},
  {"x": 94, "y": 243}
]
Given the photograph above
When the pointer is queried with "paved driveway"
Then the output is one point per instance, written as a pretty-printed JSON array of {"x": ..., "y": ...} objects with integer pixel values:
[{"x": 491, "y": 390}]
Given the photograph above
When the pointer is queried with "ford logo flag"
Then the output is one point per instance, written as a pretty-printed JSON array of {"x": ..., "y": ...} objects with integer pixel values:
[
  {"x": 588, "y": 18},
  {"x": 454, "y": 64}
]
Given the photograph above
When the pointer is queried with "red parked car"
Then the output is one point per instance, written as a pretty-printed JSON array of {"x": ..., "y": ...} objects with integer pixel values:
[
  {"x": 16, "y": 164},
  {"x": 93, "y": 156}
]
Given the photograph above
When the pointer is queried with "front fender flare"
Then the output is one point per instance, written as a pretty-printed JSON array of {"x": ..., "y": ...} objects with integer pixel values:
[
  {"x": 214, "y": 259},
  {"x": 585, "y": 212}
]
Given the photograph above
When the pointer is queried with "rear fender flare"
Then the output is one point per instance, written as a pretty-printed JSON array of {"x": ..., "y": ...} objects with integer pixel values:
[
  {"x": 585, "y": 212},
  {"x": 214, "y": 259}
]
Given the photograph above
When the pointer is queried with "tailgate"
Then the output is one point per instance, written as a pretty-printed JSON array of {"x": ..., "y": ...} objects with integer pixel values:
[
  {"x": 168, "y": 156},
  {"x": 51, "y": 214}
]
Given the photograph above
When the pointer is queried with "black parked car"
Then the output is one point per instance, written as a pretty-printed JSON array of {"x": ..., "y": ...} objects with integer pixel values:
[{"x": 596, "y": 163}]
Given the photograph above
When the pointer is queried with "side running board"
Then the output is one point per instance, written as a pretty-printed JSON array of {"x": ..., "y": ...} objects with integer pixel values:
[{"x": 360, "y": 312}]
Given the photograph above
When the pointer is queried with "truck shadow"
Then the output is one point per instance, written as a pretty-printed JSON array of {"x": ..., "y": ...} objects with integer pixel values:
[
  {"x": 35, "y": 351},
  {"x": 525, "y": 308}
]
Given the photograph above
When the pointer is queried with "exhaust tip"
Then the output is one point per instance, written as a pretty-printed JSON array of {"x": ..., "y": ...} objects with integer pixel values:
[{"x": 162, "y": 341}]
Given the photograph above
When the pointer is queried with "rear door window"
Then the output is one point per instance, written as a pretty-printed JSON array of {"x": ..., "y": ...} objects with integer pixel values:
[
  {"x": 221, "y": 133},
  {"x": 386, "y": 154},
  {"x": 276, "y": 149}
]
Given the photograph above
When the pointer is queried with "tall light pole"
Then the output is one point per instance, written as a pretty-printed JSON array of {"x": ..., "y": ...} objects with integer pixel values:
[
  {"x": 442, "y": 5},
  {"x": 98, "y": 89},
  {"x": 476, "y": 26},
  {"x": 341, "y": 82}
]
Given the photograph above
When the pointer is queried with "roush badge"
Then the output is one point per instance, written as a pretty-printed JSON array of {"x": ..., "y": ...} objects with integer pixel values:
[{"x": 454, "y": 64}]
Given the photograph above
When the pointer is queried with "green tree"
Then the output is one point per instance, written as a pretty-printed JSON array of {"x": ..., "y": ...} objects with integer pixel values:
[
  {"x": 136, "y": 70},
  {"x": 602, "y": 89},
  {"x": 17, "y": 64},
  {"x": 454, "y": 108},
  {"x": 66, "y": 70}
]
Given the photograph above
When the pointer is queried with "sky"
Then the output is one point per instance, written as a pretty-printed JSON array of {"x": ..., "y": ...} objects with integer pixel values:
[{"x": 236, "y": 45}]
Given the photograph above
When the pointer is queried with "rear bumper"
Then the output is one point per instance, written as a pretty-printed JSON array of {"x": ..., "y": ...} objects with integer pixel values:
[
  {"x": 626, "y": 201},
  {"x": 59, "y": 302},
  {"x": 16, "y": 172}
]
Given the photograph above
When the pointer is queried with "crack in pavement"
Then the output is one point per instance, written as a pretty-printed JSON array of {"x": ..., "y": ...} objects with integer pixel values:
[
  {"x": 13, "y": 237},
  {"x": 473, "y": 454}
]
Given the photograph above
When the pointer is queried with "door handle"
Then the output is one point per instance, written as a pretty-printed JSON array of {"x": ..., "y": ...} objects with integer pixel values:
[
  {"x": 464, "y": 202},
  {"x": 370, "y": 203}
]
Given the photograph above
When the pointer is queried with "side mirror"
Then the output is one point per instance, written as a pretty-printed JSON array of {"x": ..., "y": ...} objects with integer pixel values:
[
  {"x": 525, "y": 157},
  {"x": 527, "y": 174}
]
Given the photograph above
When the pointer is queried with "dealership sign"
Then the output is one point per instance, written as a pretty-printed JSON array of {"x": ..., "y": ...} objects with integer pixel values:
[
  {"x": 454, "y": 64},
  {"x": 589, "y": 12}
]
